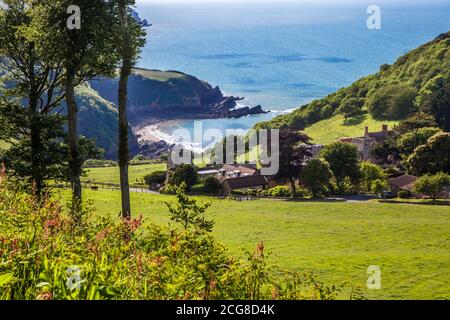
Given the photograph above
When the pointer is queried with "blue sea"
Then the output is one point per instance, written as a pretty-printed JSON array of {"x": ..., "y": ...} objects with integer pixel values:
[{"x": 281, "y": 56}]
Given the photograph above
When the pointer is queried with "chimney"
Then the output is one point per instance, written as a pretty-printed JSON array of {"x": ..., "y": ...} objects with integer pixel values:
[
  {"x": 385, "y": 128},
  {"x": 366, "y": 131}
]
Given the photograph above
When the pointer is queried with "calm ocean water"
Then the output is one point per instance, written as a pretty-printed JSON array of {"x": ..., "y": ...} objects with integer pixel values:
[{"x": 281, "y": 56}]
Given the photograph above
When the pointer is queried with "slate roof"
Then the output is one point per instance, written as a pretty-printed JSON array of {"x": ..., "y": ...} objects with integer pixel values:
[{"x": 404, "y": 181}]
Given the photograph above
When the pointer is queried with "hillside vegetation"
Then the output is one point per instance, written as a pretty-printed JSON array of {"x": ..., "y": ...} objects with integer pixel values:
[
  {"x": 329, "y": 130},
  {"x": 417, "y": 81},
  {"x": 99, "y": 119}
]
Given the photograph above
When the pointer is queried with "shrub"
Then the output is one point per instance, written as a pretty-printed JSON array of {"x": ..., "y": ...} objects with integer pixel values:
[
  {"x": 185, "y": 173},
  {"x": 280, "y": 191},
  {"x": 347, "y": 188},
  {"x": 432, "y": 185},
  {"x": 157, "y": 177},
  {"x": 378, "y": 186},
  {"x": 404, "y": 194},
  {"x": 212, "y": 185},
  {"x": 370, "y": 172}
]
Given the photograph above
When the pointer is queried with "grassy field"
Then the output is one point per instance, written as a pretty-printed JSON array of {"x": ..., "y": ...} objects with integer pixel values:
[
  {"x": 329, "y": 130},
  {"x": 111, "y": 174},
  {"x": 411, "y": 243}
]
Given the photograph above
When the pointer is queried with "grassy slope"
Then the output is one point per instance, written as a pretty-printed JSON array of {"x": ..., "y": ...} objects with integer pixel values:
[
  {"x": 158, "y": 75},
  {"x": 111, "y": 174},
  {"x": 339, "y": 241},
  {"x": 329, "y": 130}
]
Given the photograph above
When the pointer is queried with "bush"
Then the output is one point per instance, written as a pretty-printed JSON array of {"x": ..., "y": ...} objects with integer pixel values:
[
  {"x": 280, "y": 191},
  {"x": 212, "y": 185},
  {"x": 432, "y": 185},
  {"x": 157, "y": 177},
  {"x": 347, "y": 188},
  {"x": 404, "y": 194},
  {"x": 378, "y": 186},
  {"x": 185, "y": 173},
  {"x": 370, "y": 172}
]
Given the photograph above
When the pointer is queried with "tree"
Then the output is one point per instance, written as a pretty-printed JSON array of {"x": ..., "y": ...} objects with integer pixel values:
[
  {"x": 434, "y": 98},
  {"x": 343, "y": 160},
  {"x": 389, "y": 150},
  {"x": 316, "y": 176},
  {"x": 84, "y": 53},
  {"x": 433, "y": 157},
  {"x": 408, "y": 142},
  {"x": 188, "y": 213},
  {"x": 392, "y": 101},
  {"x": 185, "y": 173},
  {"x": 31, "y": 92},
  {"x": 386, "y": 151},
  {"x": 432, "y": 185},
  {"x": 293, "y": 153},
  {"x": 130, "y": 42},
  {"x": 370, "y": 172},
  {"x": 414, "y": 122},
  {"x": 349, "y": 108}
]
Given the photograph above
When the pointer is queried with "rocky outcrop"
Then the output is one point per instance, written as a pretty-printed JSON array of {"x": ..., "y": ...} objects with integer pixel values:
[{"x": 168, "y": 95}]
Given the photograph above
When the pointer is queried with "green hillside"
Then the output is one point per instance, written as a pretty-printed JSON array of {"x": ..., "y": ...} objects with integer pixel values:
[
  {"x": 98, "y": 119},
  {"x": 329, "y": 130},
  {"x": 417, "y": 81}
]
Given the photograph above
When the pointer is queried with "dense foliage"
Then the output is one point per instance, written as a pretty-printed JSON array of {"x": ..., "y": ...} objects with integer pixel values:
[
  {"x": 316, "y": 177},
  {"x": 343, "y": 160},
  {"x": 184, "y": 173},
  {"x": 157, "y": 177},
  {"x": 47, "y": 254},
  {"x": 432, "y": 185},
  {"x": 432, "y": 157}
]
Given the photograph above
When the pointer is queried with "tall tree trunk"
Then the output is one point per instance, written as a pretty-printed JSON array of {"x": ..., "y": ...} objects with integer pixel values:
[
  {"x": 123, "y": 120},
  {"x": 36, "y": 150},
  {"x": 35, "y": 128},
  {"x": 74, "y": 156}
]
